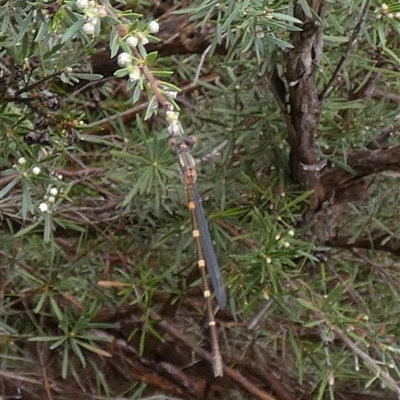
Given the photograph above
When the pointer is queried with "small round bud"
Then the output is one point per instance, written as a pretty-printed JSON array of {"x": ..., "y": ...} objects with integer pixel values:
[
  {"x": 43, "y": 207},
  {"x": 33, "y": 62},
  {"x": 102, "y": 12},
  {"x": 124, "y": 59},
  {"x": 32, "y": 137},
  {"x": 93, "y": 21},
  {"x": 291, "y": 232},
  {"x": 51, "y": 199},
  {"x": 134, "y": 73},
  {"x": 142, "y": 39},
  {"x": 88, "y": 28},
  {"x": 174, "y": 129},
  {"x": 53, "y": 191},
  {"x": 132, "y": 41},
  {"x": 331, "y": 378},
  {"x": 154, "y": 27},
  {"x": 41, "y": 123},
  {"x": 35, "y": 170},
  {"x": 53, "y": 103},
  {"x": 21, "y": 161},
  {"x": 19, "y": 72},
  {"x": 82, "y": 4}
]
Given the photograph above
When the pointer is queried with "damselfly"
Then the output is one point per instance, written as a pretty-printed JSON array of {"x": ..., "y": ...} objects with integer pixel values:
[{"x": 182, "y": 147}]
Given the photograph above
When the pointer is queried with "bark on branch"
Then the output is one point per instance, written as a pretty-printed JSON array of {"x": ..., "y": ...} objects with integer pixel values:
[{"x": 305, "y": 107}]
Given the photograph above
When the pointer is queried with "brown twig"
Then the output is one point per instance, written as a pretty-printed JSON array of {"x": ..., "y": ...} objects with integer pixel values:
[
  {"x": 235, "y": 375},
  {"x": 43, "y": 369},
  {"x": 350, "y": 44},
  {"x": 376, "y": 241}
]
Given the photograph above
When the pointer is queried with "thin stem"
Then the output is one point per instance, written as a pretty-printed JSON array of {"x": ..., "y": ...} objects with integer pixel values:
[{"x": 350, "y": 44}]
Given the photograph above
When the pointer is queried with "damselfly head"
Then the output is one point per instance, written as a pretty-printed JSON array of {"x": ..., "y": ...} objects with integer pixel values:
[{"x": 182, "y": 144}]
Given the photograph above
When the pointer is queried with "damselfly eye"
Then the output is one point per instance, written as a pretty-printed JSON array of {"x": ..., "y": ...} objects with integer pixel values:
[{"x": 172, "y": 143}]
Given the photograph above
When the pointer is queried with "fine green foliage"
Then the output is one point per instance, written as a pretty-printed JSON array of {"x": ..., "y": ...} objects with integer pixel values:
[{"x": 95, "y": 231}]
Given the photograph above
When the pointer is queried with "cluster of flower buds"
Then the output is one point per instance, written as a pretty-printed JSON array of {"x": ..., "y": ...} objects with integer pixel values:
[
  {"x": 93, "y": 13},
  {"x": 140, "y": 37},
  {"x": 269, "y": 13},
  {"x": 386, "y": 11},
  {"x": 126, "y": 61},
  {"x": 49, "y": 199},
  {"x": 281, "y": 242},
  {"x": 23, "y": 169}
]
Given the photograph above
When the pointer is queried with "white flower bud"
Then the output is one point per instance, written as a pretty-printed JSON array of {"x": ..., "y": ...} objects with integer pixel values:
[
  {"x": 142, "y": 39},
  {"x": 53, "y": 191},
  {"x": 43, "y": 207},
  {"x": 102, "y": 13},
  {"x": 21, "y": 161},
  {"x": 124, "y": 59},
  {"x": 269, "y": 260},
  {"x": 82, "y": 4},
  {"x": 291, "y": 232},
  {"x": 88, "y": 28},
  {"x": 35, "y": 170},
  {"x": 132, "y": 41},
  {"x": 67, "y": 70},
  {"x": 93, "y": 21},
  {"x": 154, "y": 27},
  {"x": 134, "y": 73},
  {"x": 331, "y": 378},
  {"x": 174, "y": 129},
  {"x": 51, "y": 199}
]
